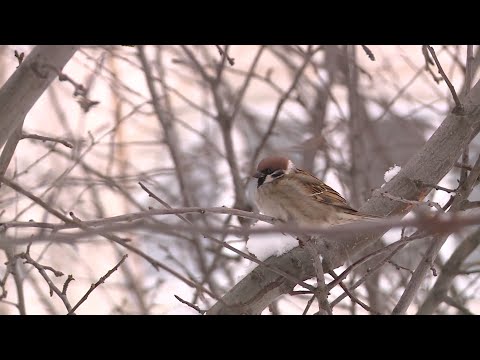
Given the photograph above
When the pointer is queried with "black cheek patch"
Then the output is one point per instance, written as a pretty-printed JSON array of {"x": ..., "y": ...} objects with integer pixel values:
[{"x": 261, "y": 181}]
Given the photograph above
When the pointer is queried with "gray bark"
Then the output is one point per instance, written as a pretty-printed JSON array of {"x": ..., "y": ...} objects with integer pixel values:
[
  {"x": 430, "y": 164},
  {"x": 28, "y": 82}
]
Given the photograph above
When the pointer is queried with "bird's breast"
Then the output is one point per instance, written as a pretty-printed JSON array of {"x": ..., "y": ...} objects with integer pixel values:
[{"x": 287, "y": 201}]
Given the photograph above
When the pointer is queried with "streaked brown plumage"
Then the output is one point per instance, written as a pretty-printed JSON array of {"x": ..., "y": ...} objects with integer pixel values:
[{"x": 294, "y": 195}]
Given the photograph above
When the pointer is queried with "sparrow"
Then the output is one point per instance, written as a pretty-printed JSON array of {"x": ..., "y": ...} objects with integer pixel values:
[{"x": 293, "y": 195}]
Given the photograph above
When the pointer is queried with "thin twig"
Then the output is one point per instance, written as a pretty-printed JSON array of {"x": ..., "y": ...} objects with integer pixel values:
[
  {"x": 469, "y": 69},
  {"x": 309, "y": 303},
  {"x": 401, "y": 244},
  {"x": 430, "y": 223},
  {"x": 466, "y": 204},
  {"x": 368, "y": 52},
  {"x": 353, "y": 297},
  {"x": 449, "y": 272},
  {"x": 122, "y": 242},
  {"x": 321, "y": 291},
  {"x": 463, "y": 166},
  {"x": 41, "y": 269},
  {"x": 19, "y": 57},
  {"x": 67, "y": 282},
  {"x": 398, "y": 267},
  {"x": 433, "y": 186},
  {"x": 279, "y": 107},
  {"x": 12, "y": 267},
  {"x": 193, "y": 306},
  {"x": 428, "y": 62},
  {"x": 413, "y": 202},
  {"x": 458, "y": 105},
  {"x": 453, "y": 303},
  {"x": 230, "y": 60},
  {"x": 98, "y": 283},
  {"x": 435, "y": 246},
  {"x": 47, "y": 138}
]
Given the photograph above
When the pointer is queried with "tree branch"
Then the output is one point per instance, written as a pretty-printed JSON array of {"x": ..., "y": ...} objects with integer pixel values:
[
  {"x": 449, "y": 271},
  {"x": 28, "y": 83},
  {"x": 429, "y": 165}
]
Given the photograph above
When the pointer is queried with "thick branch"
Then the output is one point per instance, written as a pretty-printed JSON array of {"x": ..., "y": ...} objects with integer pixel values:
[
  {"x": 28, "y": 83},
  {"x": 258, "y": 289},
  {"x": 427, "y": 261}
]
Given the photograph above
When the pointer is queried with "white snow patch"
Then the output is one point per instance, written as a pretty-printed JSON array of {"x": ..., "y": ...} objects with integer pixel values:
[
  {"x": 391, "y": 173},
  {"x": 245, "y": 271},
  {"x": 264, "y": 247}
]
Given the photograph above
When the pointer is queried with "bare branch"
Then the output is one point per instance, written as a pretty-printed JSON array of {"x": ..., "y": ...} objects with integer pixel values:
[
  {"x": 41, "y": 269},
  {"x": 459, "y": 107},
  {"x": 47, "y": 138},
  {"x": 193, "y": 306},
  {"x": 413, "y": 202},
  {"x": 98, "y": 283},
  {"x": 368, "y": 52},
  {"x": 449, "y": 271},
  {"x": 222, "y": 53},
  {"x": 437, "y": 243},
  {"x": 19, "y": 57},
  {"x": 28, "y": 82},
  {"x": 321, "y": 292}
]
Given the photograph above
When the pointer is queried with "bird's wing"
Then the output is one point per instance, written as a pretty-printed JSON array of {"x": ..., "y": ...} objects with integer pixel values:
[{"x": 322, "y": 192}]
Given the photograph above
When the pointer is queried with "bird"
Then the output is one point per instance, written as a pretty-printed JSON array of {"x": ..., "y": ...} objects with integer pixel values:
[{"x": 293, "y": 195}]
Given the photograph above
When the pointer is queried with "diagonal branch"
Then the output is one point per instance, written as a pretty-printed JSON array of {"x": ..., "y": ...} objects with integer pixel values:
[
  {"x": 449, "y": 271},
  {"x": 28, "y": 83},
  {"x": 432, "y": 252},
  {"x": 97, "y": 284},
  {"x": 431, "y": 163},
  {"x": 458, "y": 105}
]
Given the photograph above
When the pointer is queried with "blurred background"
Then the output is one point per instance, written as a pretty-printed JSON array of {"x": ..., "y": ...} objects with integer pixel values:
[{"x": 191, "y": 123}]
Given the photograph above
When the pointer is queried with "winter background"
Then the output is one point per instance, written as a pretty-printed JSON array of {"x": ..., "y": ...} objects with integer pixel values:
[{"x": 352, "y": 121}]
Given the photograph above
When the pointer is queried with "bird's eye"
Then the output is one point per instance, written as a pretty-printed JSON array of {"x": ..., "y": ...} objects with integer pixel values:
[
  {"x": 267, "y": 171},
  {"x": 277, "y": 173}
]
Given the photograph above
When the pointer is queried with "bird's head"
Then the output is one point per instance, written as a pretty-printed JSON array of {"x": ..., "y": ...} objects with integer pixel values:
[{"x": 272, "y": 168}]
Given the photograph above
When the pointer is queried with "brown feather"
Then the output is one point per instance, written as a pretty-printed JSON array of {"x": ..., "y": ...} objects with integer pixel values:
[
  {"x": 324, "y": 193},
  {"x": 273, "y": 163}
]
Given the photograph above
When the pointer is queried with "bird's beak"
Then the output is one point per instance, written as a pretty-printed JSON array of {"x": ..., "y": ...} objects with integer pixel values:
[{"x": 258, "y": 175}]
